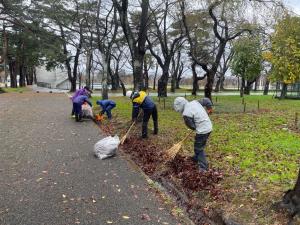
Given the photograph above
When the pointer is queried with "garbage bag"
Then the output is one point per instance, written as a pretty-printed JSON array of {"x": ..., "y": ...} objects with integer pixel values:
[
  {"x": 87, "y": 111},
  {"x": 106, "y": 147}
]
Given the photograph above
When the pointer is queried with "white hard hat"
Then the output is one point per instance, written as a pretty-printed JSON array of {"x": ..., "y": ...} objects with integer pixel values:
[{"x": 128, "y": 94}]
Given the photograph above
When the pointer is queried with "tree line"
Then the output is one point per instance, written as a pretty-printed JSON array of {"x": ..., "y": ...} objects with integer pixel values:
[{"x": 207, "y": 37}]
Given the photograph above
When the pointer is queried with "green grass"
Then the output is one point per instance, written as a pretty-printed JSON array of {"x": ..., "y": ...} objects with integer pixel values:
[
  {"x": 12, "y": 90},
  {"x": 259, "y": 148}
]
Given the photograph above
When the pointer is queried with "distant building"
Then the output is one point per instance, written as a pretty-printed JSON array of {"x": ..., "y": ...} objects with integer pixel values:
[{"x": 56, "y": 78}]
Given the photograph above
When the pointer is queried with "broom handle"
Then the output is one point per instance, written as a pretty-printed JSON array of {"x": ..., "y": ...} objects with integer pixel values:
[
  {"x": 129, "y": 128},
  {"x": 187, "y": 136}
]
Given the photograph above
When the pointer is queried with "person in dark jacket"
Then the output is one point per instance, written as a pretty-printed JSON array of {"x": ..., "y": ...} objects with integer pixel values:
[
  {"x": 107, "y": 106},
  {"x": 141, "y": 100},
  {"x": 77, "y": 106}
]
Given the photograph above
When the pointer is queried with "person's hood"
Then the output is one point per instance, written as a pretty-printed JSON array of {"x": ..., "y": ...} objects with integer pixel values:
[{"x": 179, "y": 104}]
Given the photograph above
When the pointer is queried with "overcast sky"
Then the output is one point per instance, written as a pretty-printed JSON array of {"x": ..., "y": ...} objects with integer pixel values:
[{"x": 294, "y": 5}]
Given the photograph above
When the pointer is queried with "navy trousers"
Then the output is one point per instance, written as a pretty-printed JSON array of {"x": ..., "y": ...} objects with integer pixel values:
[{"x": 199, "y": 146}]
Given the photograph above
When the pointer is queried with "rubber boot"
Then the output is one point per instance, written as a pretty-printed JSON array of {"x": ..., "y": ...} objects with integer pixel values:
[{"x": 155, "y": 127}]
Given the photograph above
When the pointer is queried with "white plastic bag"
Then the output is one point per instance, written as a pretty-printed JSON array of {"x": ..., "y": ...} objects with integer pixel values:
[
  {"x": 87, "y": 110},
  {"x": 106, "y": 147}
]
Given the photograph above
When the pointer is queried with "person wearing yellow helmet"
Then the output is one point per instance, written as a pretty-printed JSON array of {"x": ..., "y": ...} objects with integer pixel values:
[{"x": 140, "y": 99}]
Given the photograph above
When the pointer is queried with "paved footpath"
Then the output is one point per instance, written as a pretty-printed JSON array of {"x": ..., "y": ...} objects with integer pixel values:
[{"x": 49, "y": 176}]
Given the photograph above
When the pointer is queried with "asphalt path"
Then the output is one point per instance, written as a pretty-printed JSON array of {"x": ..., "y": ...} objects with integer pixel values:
[{"x": 49, "y": 176}]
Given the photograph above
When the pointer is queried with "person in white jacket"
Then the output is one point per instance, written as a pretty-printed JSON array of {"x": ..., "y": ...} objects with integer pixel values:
[{"x": 196, "y": 118}]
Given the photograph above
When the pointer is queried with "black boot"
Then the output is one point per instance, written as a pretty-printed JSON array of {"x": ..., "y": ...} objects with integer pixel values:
[{"x": 155, "y": 127}]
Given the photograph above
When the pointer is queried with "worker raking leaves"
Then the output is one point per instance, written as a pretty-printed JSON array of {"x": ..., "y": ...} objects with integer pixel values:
[
  {"x": 196, "y": 118},
  {"x": 140, "y": 99}
]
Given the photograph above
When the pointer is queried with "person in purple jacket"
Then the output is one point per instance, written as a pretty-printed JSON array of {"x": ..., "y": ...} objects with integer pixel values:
[
  {"x": 82, "y": 91},
  {"x": 77, "y": 106},
  {"x": 106, "y": 105}
]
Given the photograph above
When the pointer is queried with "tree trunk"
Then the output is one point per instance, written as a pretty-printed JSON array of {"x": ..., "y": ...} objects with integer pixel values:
[
  {"x": 29, "y": 76},
  {"x": 266, "y": 89},
  {"x": 138, "y": 79},
  {"x": 155, "y": 75},
  {"x": 291, "y": 200},
  {"x": 256, "y": 83},
  {"x": 195, "y": 80},
  {"x": 104, "y": 77},
  {"x": 173, "y": 82},
  {"x": 283, "y": 91},
  {"x": 5, "y": 58},
  {"x": 179, "y": 75},
  {"x": 247, "y": 88},
  {"x": 13, "y": 74},
  {"x": 163, "y": 83},
  {"x": 242, "y": 86},
  {"x": 222, "y": 83},
  {"x": 22, "y": 76},
  {"x": 146, "y": 76},
  {"x": 79, "y": 80},
  {"x": 218, "y": 84},
  {"x": 123, "y": 87},
  {"x": 89, "y": 58},
  {"x": 209, "y": 85},
  {"x": 34, "y": 75}
]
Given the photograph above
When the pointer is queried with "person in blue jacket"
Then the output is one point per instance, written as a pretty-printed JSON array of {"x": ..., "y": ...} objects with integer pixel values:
[
  {"x": 77, "y": 104},
  {"x": 107, "y": 106},
  {"x": 140, "y": 99}
]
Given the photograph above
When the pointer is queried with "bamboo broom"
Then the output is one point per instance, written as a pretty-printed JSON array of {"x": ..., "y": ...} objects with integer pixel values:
[
  {"x": 170, "y": 155},
  {"x": 125, "y": 136},
  {"x": 172, "y": 152}
]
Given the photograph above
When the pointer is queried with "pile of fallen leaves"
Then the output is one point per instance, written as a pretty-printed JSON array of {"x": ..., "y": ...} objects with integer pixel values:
[
  {"x": 144, "y": 153},
  {"x": 186, "y": 170},
  {"x": 149, "y": 157}
]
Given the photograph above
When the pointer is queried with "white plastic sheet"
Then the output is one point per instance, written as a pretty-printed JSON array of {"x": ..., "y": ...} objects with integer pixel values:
[{"x": 106, "y": 147}]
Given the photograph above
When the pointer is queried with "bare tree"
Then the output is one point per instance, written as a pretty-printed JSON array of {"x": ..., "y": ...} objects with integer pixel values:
[
  {"x": 168, "y": 44},
  {"x": 136, "y": 42},
  {"x": 222, "y": 34}
]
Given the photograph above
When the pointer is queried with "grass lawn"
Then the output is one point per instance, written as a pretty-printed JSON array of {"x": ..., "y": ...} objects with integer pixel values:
[
  {"x": 258, "y": 150},
  {"x": 11, "y": 90}
]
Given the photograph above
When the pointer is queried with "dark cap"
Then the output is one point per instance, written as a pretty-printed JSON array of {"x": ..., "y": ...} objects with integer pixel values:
[{"x": 206, "y": 102}]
